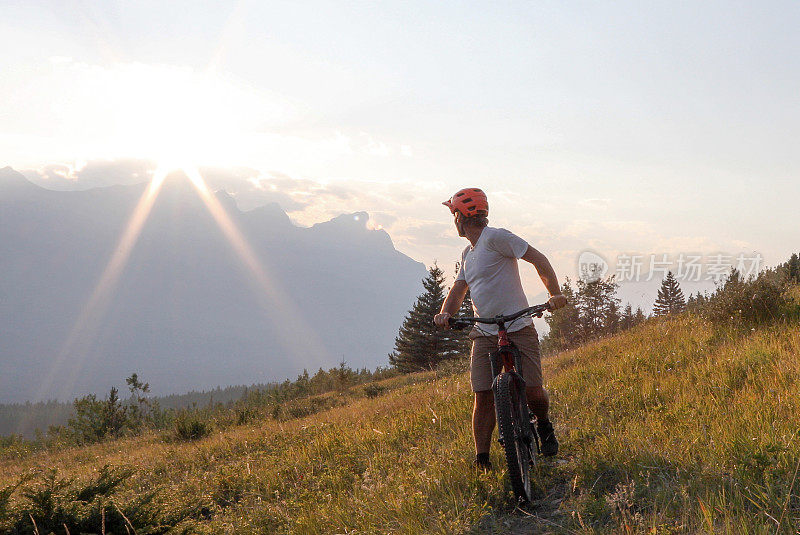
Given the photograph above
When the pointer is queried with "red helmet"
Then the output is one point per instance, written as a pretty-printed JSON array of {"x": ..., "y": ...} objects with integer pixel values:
[{"x": 469, "y": 201}]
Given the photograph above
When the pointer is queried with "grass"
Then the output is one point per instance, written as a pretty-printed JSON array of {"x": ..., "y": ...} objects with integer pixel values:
[
  {"x": 672, "y": 427},
  {"x": 699, "y": 427}
]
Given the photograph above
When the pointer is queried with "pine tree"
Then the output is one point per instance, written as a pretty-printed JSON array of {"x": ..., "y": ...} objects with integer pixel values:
[
  {"x": 466, "y": 309},
  {"x": 420, "y": 345},
  {"x": 670, "y": 297},
  {"x": 564, "y": 323},
  {"x": 639, "y": 317},
  {"x": 794, "y": 268},
  {"x": 626, "y": 322},
  {"x": 696, "y": 302},
  {"x": 598, "y": 306},
  {"x": 612, "y": 317},
  {"x": 592, "y": 311}
]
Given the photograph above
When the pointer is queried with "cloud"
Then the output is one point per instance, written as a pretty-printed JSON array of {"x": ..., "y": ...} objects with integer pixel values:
[
  {"x": 384, "y": 219},
  {"x": 54, "y": 176},
  {"x": 411, "y": 213},
  {"x": 595, "y": 203},
  {"x": 121, "y": 171},
  {"x": 92, "y": 174}
]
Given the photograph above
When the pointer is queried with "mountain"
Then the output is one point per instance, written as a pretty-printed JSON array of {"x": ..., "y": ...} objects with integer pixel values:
[{"x": 196, "y": 301}]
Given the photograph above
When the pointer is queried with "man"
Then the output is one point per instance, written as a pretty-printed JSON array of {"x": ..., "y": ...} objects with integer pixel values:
[{"x": 489, "y": 270}]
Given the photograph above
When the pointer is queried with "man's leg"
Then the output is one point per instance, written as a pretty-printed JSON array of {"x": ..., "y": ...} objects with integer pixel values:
[
  {"x": 527, "y": 341},
  {"x": 483, "y": 420},
  {"x": 538, "y": 401}
]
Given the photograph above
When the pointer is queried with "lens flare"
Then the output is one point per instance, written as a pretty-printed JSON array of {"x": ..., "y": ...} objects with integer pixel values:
[
  {"x": 83, "y": 331},
  {"x": 298, "y": 335}
]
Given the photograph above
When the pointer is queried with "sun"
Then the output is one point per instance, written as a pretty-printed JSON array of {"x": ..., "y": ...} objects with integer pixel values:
[{"x": 183, "y": 118}]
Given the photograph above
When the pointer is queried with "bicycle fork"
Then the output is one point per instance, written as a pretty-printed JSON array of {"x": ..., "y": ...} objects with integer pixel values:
[{"x": 510, "y": 361}]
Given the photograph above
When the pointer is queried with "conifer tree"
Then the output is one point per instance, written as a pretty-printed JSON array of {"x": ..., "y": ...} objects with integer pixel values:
[
  {"x": 462, "y": 337},
  {"x": 670, "y": 297},
  {"x": 420, "y": 345},
  {"x": 564, "y": 323},
  {"x": 612, "y": 318},
  {"x": 639, "y": 317},
  {"x": 598, "y": 307},
  {"x": 794, "y": 268},
  {"x": 626, "y": 322},
  {"x": 696, "y": 302}
]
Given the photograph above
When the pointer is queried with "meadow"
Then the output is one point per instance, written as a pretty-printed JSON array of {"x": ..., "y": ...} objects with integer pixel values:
[{"x": 675, "y": 426}]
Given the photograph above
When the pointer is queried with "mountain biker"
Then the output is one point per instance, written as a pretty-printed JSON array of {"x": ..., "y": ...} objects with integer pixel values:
[{"x": 489, "y": 270}]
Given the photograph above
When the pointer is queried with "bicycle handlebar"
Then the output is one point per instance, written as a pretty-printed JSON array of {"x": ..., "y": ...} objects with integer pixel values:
[{"x": 465, "y": 321}]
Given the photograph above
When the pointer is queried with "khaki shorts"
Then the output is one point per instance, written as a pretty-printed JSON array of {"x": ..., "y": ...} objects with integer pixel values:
[{"x": 526, "y": 340}]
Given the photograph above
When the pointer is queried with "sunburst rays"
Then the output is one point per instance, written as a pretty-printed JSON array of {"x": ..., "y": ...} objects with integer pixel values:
[
  {"x": 89, "y": 320},
  {"x": 296, "y": 335}
]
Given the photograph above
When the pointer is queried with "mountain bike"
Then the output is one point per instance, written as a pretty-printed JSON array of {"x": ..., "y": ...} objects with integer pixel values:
[{"x": 517, "y": 436}]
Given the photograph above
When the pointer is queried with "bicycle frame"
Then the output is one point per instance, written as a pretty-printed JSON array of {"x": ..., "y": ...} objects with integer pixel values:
[
  {"x": 505, "y": 348},
  {"x": 508, "y": 357},
  {"x": 510, "y": 398}
]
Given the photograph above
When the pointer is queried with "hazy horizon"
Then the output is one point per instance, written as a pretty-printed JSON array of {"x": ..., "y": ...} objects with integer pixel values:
[
  {"x": 619, "y": 129},
  {"x": 644, "y": 138}
]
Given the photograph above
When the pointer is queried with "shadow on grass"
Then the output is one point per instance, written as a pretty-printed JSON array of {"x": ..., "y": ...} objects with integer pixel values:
[{"x": 650, "y": 494}]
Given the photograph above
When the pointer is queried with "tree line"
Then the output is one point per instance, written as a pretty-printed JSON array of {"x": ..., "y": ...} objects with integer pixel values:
[
  {"x": 92, "y": 418},
  {"x": 594, "y": 310}
]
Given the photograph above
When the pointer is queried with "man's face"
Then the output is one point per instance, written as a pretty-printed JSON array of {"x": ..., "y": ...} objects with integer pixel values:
[{"x": 457, "y": 219}]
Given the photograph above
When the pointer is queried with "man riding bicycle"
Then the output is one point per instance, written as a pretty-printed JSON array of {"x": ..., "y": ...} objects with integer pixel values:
[{"x": 490, "y": 272}]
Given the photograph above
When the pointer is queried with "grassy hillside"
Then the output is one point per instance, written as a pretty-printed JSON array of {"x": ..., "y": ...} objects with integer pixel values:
[{"x": 672, "y": 427}]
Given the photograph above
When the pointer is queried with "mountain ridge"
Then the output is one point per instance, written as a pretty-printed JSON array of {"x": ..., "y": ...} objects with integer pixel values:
[{"x": 221, "y": 308}]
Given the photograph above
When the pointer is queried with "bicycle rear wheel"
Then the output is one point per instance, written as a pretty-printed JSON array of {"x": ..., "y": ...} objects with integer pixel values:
[{"x": 508, "y": 404}]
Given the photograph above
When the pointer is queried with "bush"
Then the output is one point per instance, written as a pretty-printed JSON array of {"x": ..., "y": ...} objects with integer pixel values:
[
  {"x": 245, "y": 415},
  {"x": 373, "y": 390},
  {"x": 52, "y": 504},
  {"x": 55, "y": 503},
  {"x": 304, "y": 407},
  {"x": 752, "y": 301},
  {"x": 96, "y": 419},
  {"x": 189, "y": 426}
]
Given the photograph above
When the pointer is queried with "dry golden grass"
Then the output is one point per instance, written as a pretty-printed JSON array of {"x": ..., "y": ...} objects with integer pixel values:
[{"x": 672, "y": 427}]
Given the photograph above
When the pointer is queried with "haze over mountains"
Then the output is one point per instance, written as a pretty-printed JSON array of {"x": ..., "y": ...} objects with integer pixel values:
[{"x": 186, "y": 311}]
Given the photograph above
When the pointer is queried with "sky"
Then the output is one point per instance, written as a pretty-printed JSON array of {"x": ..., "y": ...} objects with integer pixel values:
[{"x": 620, "y": 128}]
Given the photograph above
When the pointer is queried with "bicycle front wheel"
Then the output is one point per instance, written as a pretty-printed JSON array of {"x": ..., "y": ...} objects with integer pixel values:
[{"x": 508, "y": 400}]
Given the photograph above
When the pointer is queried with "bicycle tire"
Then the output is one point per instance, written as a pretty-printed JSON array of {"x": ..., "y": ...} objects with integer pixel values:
[{"x": 518, "y": 459}]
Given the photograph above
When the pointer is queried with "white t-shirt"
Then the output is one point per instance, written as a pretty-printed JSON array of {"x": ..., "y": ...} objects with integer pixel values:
[{"x": 491, "y": 272}]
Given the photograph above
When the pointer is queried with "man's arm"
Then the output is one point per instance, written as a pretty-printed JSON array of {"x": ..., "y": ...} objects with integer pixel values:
[
  {"x": 548, "y": 276},
  {"x": 451, "y": 303}
]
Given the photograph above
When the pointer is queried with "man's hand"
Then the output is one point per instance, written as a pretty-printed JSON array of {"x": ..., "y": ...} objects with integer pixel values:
[
  {"x": 557, "y": 301},
  {"x": 441, "y": 320}
]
